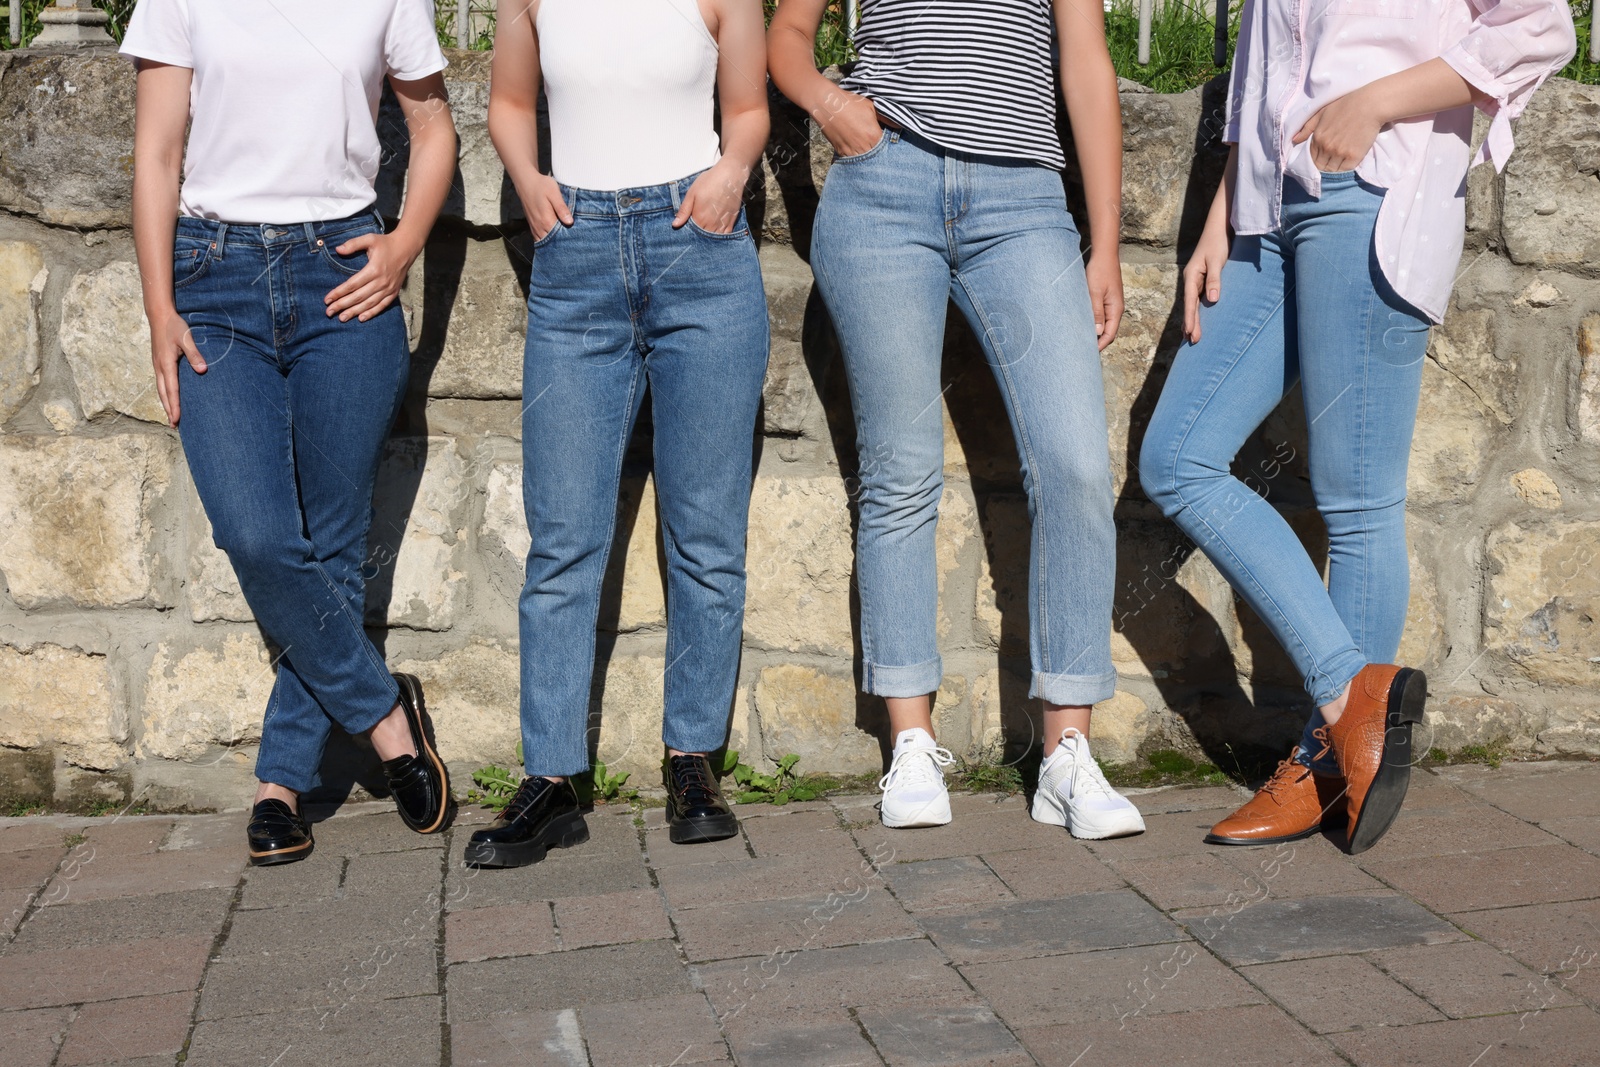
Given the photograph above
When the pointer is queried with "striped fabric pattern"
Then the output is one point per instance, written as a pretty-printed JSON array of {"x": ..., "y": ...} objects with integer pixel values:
[{"x": 969, "y": 75}]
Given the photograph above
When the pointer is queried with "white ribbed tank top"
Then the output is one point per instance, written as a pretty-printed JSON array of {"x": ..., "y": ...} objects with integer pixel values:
[{"x": 631, "y": 84}]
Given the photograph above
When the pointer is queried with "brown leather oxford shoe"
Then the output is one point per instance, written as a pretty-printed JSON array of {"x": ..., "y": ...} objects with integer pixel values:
[
  {"x": 1289, "y": 806},
  {"x": 1372, "y": 742}
]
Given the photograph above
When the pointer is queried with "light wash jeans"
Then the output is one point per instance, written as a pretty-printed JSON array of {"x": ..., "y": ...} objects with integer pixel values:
[
  {"x": 901, "y": 231},
  {"x": 283, "y": 434},
  {"x": 617, "y": 301},
  {"x": 1309, "y": 304}
]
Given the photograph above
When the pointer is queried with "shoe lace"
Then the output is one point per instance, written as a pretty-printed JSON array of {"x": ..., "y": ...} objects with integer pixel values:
[
  {"x": 909, "y": 768},
  {"x": 527, "y": 793},
  {"x": 1288, "y": 773},
  {"x": 1323, "y": 734},
  {"x": 1087, "y": 777},
  {"x": 691, "y": 779}
]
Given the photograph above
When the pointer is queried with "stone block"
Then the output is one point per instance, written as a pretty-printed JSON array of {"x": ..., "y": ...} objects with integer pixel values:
[
  {"x": 1272, "y": 930},
  {"x": 480, "y": 354},
  {"x": 1537, "y": 489},
  {"x": 102, "y": 972},
  {"x": 211, "y": 587},
  {"x": 1160, "y": 132},
  {"x": 822, "y": 920},
  {"x": 800, "y": 565},
  {"x": 1367, "y": 996},
  {"x": 66, "y": 147},
  {"x": 80, "y": 516},
  {"x": 567, "y": 979},
  {"x": 1151, "y": 291},
  {"x": 198, "y": 699},
  {"x": 961, "y": 1034},
  {"x": 1471, "y": 978},
  {"x": 1028, "y": 928},
  {"x": 472, "y": 694},
  {"x": 1468, "y": 394},
  {"x": 931, "y": 885},
  {"x": 630, "y": 711},
  {"x": 1588, "y": 401},
  {"x": 1500, "y": 878},
  {"x": 503, "y": 930},
  {"x": 106, "y": 341},
  {"x": 1542, "y": 600},
  {"x": 416, "y": 550},
  {"x": 814, "y": 714},
  {"x": 22, "y": 280},
  {"x": 118, "y": 1031},
  {"x": 57, "y": 696},
  {"x": 612, "y": 919},
  {"x": 678, "y": 1029},
  {"x": 1550, "y": 192}
]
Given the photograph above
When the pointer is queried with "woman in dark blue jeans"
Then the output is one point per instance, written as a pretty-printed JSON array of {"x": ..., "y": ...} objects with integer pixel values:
[{"x": 270, "y": 288}]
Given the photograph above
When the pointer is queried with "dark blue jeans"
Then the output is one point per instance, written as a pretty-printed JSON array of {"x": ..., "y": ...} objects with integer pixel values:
[
  {"x": 617, "y": 301},
  {"x": 283, "y": 434}
]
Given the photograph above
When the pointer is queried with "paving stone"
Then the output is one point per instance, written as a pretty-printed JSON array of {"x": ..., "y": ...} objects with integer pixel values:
[
  {"x": 317, "y": 877},
  {"x": 966, "y": 836},
  {"x": 525, "y": 1038},
  {"x": 330, "y": 979},
  {"x": 861, "y": 913},
  {"x": 934, "y": 884},
  {"x": 1178, "y": 834},
  {"x": 117, "y": 1031},
  {"x": 799, "y": 833},
  {"x": 609, "y": 862},
  {"x": 413, "y": 876},
  {"x": 1309, "y": 868},
  {"x": 13, "y": 907},
  {"x": 207, "y": 831},
  {"x": 953, "y": 1037},
  {"x": 706, "y": 885},
  {"x": 1193, "y": 881},
  {"x": 104, "y": 875},
  {"x": 126, "y": 835},
  {"x": 1582, "y": 831},
  {"x": 1479, "y": 828},
  {"x": 677, "y": 1030},
  {"x": 1063, "y": 869},
  {"x": 1561, "y": 940},
  {"x": 612, "y": 919},
  {"x": 29, "y": 868},
  {"x": 102, "y": 972},
  {"x": 1472, "y": 978},
  {"x": 1560, "y": 1037},
  {"x": 964, "y": 803},
  {"x": 503, "y": 930},
  {"x": 1150, "y": 980},
  {"x": 324, "y": 924},
  {"x": 1430, "y": 791},
  {"x": 38, "y": 831},
  {"x": 372, "y": 834},
  {"x": 197, "y": 913},
  {"x": 1540, "y": 791},
  {"x": 380, "y": 1034},
  {"x": 32, "y": 1038},
  {"x": 1272, "y": 930},
  {"x": 663, "y": 853},
  {"x": 1340, "y": 993},
  {"x": 638, "y": 971},
  {"x": 1119, "y": 919},
  {"x": 1183, "y": 798},
  {"x": 911, "y": 974},
  {"x": 1256, "y": 1036},
  {"x": 1505, "y": 877},
  {"x": 835, "y": 1041}
]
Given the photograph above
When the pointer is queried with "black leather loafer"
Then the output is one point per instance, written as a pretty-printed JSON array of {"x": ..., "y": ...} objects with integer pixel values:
[
  {"x": 541, "y": 816},
  {"x": 277, "y": 835},
  {"x": 419, "y": 784},
  {"x": 696, "y": 810}
]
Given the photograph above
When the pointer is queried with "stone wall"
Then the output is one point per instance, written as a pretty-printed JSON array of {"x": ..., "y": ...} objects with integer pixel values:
[{"x": 129, "y": 664}]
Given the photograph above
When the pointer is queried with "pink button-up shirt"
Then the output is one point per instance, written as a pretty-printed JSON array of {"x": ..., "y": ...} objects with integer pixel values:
[{"x": 1295, "y": 56}]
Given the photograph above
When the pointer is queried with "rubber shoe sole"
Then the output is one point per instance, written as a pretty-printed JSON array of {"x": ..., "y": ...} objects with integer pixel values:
[
  {"x": 564, "y": 832},
  {"x": 1408, "y": 698},
  {"x": 1050, "y": 810},
  {"x": 934, "y": 813},
  {"x": 416, "y": 712},
  {"x": 275, "y": 857},
  {"x": 702, "y": 830}
]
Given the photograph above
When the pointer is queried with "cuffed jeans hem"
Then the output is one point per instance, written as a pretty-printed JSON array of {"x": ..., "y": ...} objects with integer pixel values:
[
  {"x": 361, "y": 726},
  {"x": 915, "y": 681},
  {"x": 690, "y": 743},
  {"x": 1325, "y": 686},
  {"x": 556, "y": 770},
  {"x": 1073, "y": 690}
]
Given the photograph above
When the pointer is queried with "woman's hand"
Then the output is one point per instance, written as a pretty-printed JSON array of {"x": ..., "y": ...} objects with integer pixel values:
[
  {"x": 170, "y": 341},
  {"x": 544, "y": 205},
  {"x": 1344, "y": 131},
  {"x": 1104, "y": 273},
  {"x": 1202, "y": 275},
  {"x": 849, "y": 122},
  {"x": 714, "y": 200},
  {"x": 375, "y": 285}
]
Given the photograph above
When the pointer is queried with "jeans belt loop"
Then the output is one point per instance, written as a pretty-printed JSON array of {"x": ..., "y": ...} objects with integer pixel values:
[
  {"x": 220, "y": 240},
  {"x": 677, "y": 195},
  {"x": 311, "y": 236}
]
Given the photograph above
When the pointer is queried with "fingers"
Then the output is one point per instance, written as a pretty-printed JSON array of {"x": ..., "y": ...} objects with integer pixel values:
[
  {"x": 1305, "y": 132},
  {"x": 358, "y": 243},
  {"x": 191, "y": 352},
  {"x": 1110, "y": 320},
  {"x": 370, "y": 307},
  {"x": 686, "y": 210},
  {"x": 1193, "y": 278},
  {"x": 351, "y": 306},
  {"x": 354, "y": 292},
  {"x": 563, "y": 212},
  {"x": 167, "y": 386}
]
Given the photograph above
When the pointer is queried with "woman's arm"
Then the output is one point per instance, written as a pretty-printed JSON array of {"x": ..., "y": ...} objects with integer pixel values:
[
  {"x": 848, "y": 120},
  {"x": 1089, "y": 83},
  {"x": 1346, "y": 128},
  {"x": 1204, "y": 269},
  {"x": 514, "y": 118},
  {"x": 713, "y": 201},
  {"x": 161, "y": 114},
  {"x": 433, "y": 164}
]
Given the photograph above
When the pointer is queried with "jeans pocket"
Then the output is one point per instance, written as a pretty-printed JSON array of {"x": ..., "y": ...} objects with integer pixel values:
[
  {"x": 191, "y": 259},
  {"x": 883, "y": 141},
  {"x": 741, "y": 229},
  {"x": 350, "y": 265}
]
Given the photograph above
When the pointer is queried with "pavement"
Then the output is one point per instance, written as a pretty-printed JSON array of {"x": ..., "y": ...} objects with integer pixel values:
[{"x": 1469, "y": 937}]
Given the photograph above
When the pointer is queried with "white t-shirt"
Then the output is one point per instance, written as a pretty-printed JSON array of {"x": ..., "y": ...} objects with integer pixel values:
[{"x": 284, "y": 101}]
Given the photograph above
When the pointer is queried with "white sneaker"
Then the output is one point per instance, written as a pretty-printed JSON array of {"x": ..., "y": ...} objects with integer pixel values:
[
  {"x": 1074, "y": 793},
  {"x": 914, "y": 793}
]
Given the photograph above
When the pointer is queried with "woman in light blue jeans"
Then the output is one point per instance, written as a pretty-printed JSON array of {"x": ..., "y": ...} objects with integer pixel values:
[{"x": 946, "y": 188}]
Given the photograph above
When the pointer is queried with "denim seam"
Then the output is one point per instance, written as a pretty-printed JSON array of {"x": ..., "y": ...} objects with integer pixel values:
[{"x": 1037, "y": 534}]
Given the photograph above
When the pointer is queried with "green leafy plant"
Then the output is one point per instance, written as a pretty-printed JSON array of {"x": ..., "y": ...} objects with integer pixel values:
[
  {"x": 779, "y": 787},
  {"x": 1490, "y": 754},
  {"x": 601, "y": 786},
  {"x": 496, "y": 785},
  {"x": 1165, "y": 766},
  {"x": 986, "y": 770}
]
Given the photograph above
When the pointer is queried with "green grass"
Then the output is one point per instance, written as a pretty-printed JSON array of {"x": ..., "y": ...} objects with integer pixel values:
[
  {"x": 19, "y": 808},
  {"x": 1580, "y": 69},
  {"x": 1181, "y": 44},
  {"x": 1165, "y": 766},
  {"x": 1490, "y": 754}
]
